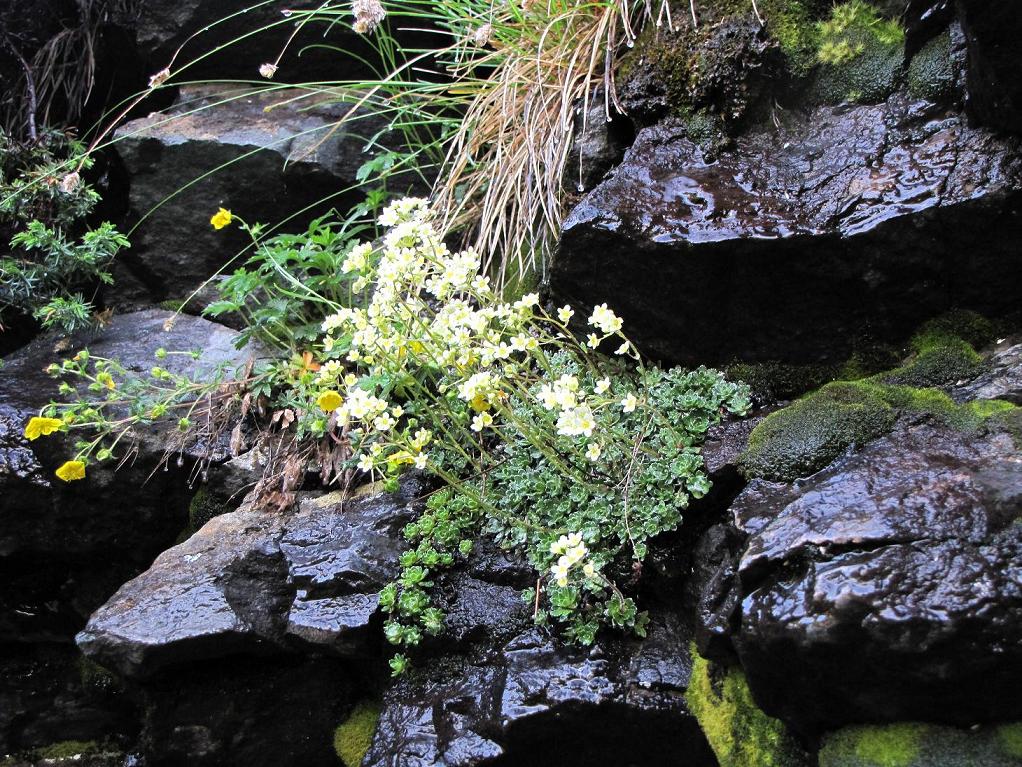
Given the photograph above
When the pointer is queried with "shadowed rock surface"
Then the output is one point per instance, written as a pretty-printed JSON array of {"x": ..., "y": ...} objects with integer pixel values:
[
  {"x": 842, "y": 221},
  {"x": 262, "y": 165},
  {"x": 886, "y": 587}
]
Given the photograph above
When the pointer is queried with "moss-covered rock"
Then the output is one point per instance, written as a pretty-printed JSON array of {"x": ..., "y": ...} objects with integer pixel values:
[
  {"x": 931, "y": 73},
  {"x": 739, "y": 733},
  {"x": 355, "y": 734},
  {"x": 860, "y": 55},
  {"x": 921, "y": 745},
  {"x": 806, "y": 436},
  {"x": 938, "y": 365}
]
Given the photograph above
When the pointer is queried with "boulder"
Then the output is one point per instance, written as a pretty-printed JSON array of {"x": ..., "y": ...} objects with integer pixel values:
[
  {"x": 838, "y": 223},
  {"x": 259, "y": 581},
  {"x": 1001, "y": 377},
  {"x": 532, "y": 700},
  {"x": 994, "y": 34},
  {"x": 252, "y": 153},
  {"x": 884, "y": 588}
]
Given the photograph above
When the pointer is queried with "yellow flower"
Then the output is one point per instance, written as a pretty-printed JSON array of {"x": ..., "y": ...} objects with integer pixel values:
[
  {"x": 41, "y": 427},
  {"x": 329, "y": 400},
  {"x": 479, "y": 403},
  {"x": 71, "y": 470},
  {"x": 221, "y": 218}
]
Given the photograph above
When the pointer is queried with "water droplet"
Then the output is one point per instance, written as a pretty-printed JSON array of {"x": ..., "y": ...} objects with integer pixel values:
[{"x": 580, "y": 188}]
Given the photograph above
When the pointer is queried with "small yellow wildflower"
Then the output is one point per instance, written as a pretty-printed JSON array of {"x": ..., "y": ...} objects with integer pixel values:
[
  {"x": 221, "y": 218},
  {"x": 329, "y": 400},
  {"x": 41, "y": 427},
  {"x": 71, "y": 470},
  {"x": 479, "y": 403}
]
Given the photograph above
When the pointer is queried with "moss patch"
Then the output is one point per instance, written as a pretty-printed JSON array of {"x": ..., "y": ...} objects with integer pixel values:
[
  {"x": 920, "y": 745},
  {"x": 67, "y": 749},
  {"x": 860, "y": 53},
  {"x": 803, "y": 438},
  {"x": 739, "y": 733},
  {"x": 1009, "y": 737},
  {"x": 354, "y": 736},
  {"x": 931, "y": 73}
]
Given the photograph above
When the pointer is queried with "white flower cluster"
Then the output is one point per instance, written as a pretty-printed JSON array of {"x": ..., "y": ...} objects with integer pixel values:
[
  {"x": 572, "y": 551},
  {"x": 431, "y": 316}
]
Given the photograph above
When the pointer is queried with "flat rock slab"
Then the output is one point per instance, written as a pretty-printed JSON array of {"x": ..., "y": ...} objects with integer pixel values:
[
  {"x": 256, "y": 581},
  {"x": 839, "y": 222},
  {"x": 887, "y": 587}
]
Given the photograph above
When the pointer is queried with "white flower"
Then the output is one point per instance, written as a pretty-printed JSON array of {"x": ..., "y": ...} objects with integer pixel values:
[
  {"x": 575, "y": 539},
  {"x": 358, "y": 258},
  {"x": 593, "y": 341},
  {"x": 576, "y": 421},
  {"x": 421, "y": 461},
  {"x": 593, "y": 451},
  {"x": 623, "y": 348},
  {"x": 365, "y": 463},
  {"x": 628, "y": 403},
  {"x": 560, "y": 574},
  {"x": 602, "y": 385},
  {"x": 589, "y": 570},
  {"x": 481, "y": 420},
  {"x": 383, "y": 422},
  {"x": 565, "y": 313},
  {"x": 605, "y": 319},
  {"x": 268, "y": 70}
]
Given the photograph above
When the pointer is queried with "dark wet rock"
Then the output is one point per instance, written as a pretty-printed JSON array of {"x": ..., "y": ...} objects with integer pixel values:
[
  {"x": 598, "y": 145},
  {"x": 263, "y": 712},
  {"x": 274, "y": 161},
  {"x": 883, "y": 588},
  {"x": 923, "y": 19},
  {"x": 47, "y": 516},
  {"x": 994, "y": 34},
  {"x": 534, "y": 701},
  {"x": 259, "y": 581},
  {"x": 841, "y": 223},
  {"x": 48, "y": 694},
  {"x": 1001, "y": 377},
  {"x": 254, "y": 33}
]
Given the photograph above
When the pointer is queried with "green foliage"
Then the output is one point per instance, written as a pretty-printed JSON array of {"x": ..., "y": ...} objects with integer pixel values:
[
  {"x": 633, "y": 491},
  {"x": 355, "y": 734},
  {"x": 851, "y": 29},
  {"x": 282, "y": 288},
  {"x": 739, "y": 733},
  {"x": 1010, "y": 737},
  {"x": 43, "y": 204}
]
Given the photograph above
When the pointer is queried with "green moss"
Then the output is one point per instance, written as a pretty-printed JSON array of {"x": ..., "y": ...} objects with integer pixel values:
[
  {"x": 354, "y": 736},
  {"x": 67, "y": 749},
  {"x": 739, "y": 733},
  {"x": 1009, "y": 737},
  {"x": 203, "y": 507},
  {"x": 957, "y": 325},
  {"x": 931, "y": 73},
  {"x": 894, "y": 745},
  {"x": 792, "y": 24},
  {"x": 96, "y": 679},
  {"x": 860, "y": 53},
  {"x": 806, "y": 436},
  {"x": 921, "y": 745},
  {"x": 938, "y": 365}
]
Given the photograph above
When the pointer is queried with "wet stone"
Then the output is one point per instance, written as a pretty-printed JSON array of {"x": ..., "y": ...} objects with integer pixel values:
[{"x": 840, "y": 222}]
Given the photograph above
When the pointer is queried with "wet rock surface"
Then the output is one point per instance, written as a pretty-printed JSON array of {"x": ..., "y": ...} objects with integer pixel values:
[
  {"x": 840, "y": 222},
  {"x": 883, "y": 588},
  {"x": 994, "y": 35},
  {"x": 1001, "y": 378},
  {"x": 523, "y": 697},
  {"x": 254, "y": 162},
  {"x": 258, "y": 581},
  {"x": 65, "y": 548}
]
